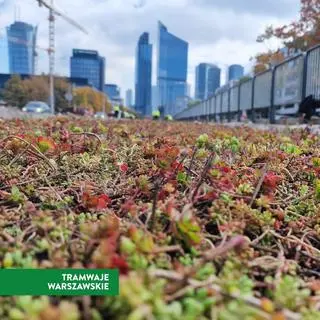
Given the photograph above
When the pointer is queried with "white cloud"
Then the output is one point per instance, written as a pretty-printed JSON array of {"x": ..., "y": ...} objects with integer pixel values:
[{"x": 218, "y": 31}]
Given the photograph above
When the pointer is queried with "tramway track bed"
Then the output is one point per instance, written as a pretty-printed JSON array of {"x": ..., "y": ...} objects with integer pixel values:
[{"x": 202, "y": 221}]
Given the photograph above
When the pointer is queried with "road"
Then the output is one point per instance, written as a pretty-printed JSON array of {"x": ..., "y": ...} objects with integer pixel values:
[{"x": 11, "y": 113}]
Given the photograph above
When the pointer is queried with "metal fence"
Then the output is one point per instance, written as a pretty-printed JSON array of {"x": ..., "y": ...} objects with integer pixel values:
[
  {"x": 262, "y": 90},
  {"x": 288, "y": 81},
  {"x": 234, "y": 99},
  {"x": 246, "y": 95},
  {"x": 277, "y": 89},
  {"x": 225, "y": 102},
  {"x": 218, "y": 104},
  {"x": 312, "y": 73}
]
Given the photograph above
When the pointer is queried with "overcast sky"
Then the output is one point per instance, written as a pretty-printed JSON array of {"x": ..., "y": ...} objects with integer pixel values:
[{"x": 218, "y": 31}]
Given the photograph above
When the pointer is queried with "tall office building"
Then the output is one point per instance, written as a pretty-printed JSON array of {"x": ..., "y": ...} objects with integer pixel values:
[
  {"x": 112, "y": 91},
  {"x": 172, "y": 69},
  {"x": 188, "y": 93},
  {"x": 129, "y": 98},
  {"x": 4, "y": 66},
  {"x": 143, "y": 73},
  {"x": 22, "y": 39},
  {"x": 235, "y": 72},
  {"x": 89, "y": 65},
  {"x": 207, "y": 80},
  {"x": 154, "y": 99}
]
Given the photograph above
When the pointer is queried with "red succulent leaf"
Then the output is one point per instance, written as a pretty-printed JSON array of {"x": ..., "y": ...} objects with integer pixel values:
[
  {"x": 225, "y": 169},
  {"x": 271, "y": 180},
  {"x": 277, "y": 225},
  {"x": 64, "y": 135},
  {"x": 226, "y": 184},
  {"x": 166, "y": 156},
  {"x": 120, "y": 263},
  {"x": 281, "y": 155},
  {"x": 162, "y": 194},
  {"x": 65, "y": 147},
  {"x": 170, "y": 205},
  {"x": 178, "y": 166},
  {"x": 103, "y": 202},
  {"x": 211, "y": 196},
  {"x": 123, "y": 167},
  {"x": 45, "y": 144},
  {"x": 88, "y": 200},
  {"x": 95, "y": 202},
  {"x": 129, "y": 207},
  {"x": 132, "y": 231}
]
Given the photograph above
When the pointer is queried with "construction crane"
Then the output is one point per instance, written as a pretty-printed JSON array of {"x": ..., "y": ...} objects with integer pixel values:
[{"x": 51, "y": 51}]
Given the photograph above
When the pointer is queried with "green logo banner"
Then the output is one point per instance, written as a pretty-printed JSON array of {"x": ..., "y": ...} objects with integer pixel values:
[{"x": 59, "y": 282}]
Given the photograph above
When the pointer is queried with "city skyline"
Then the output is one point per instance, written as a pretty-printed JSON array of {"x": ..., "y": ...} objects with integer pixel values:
[{"x": 221, "y": 32}]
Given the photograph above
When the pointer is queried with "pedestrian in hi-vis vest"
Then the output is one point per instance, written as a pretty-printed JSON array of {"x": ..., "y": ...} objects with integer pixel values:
[
  {"x": 156, "y": 115},
  {"x": 116, "y": 110}
]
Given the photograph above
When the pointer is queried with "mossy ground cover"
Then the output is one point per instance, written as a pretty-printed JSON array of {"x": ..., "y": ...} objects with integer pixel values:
[{"x": 203, "y": 222}]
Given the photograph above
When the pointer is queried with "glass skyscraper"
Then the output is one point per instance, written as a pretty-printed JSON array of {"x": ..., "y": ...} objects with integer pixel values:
[
  {"x": 235, "y": 72},
  {"x": 21, "y": 48},
  {"x": 129, "y": 98},
  {"x": 112, "y": 91},
  {"x": 207, "y": 80},
  {"x": 172, "y": 69},
  {"x": 154, "y": 99},
  {"x": 143, "y": 73},
  {"x": 89, "y": 65},
  {"x": 4, "y": 67}
]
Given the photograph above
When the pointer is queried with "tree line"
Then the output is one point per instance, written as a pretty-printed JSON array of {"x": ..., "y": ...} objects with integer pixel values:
[
  {"x": 18, "y": 92},
  {"x": 297, "y": 36}
]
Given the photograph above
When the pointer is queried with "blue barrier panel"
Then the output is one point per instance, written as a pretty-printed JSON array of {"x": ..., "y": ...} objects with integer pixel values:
[
  {"x": 225, "y": 101},
  {"x": 288, "y": 81},
  {"x": 192, "y": 111},
  {"x": 246, "y": 95},
  {"x": 200, "y": 109},
  {"x": 234, "y": 95},
  {"x": 313, "y": 73},
  {"x": 206, "y": 107},
  {"x": 212, "y": 106},
  {"x": 218, "y": 103},
  {"x": 262, "y": 90},
  {"x": 189, "y": 113},
  {"x": 195, "y": 111}
]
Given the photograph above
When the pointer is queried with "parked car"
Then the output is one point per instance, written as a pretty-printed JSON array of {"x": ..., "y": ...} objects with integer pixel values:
[
  {"x": 100, "y": 115},
  {"x": 82, "y": 111},
  {"x": 36, "y": 107}
]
